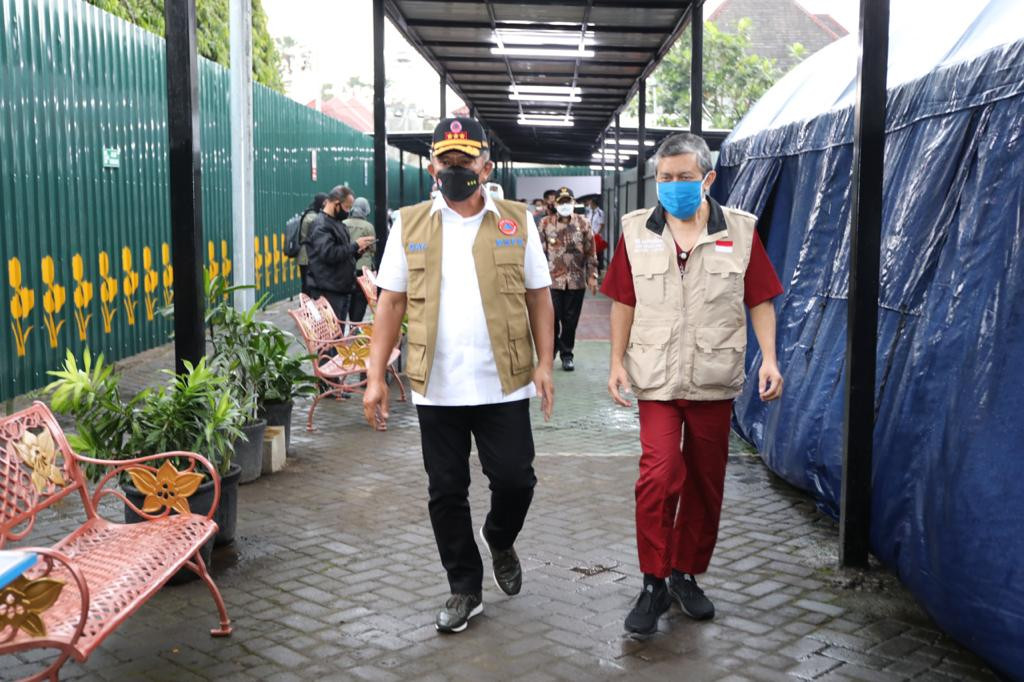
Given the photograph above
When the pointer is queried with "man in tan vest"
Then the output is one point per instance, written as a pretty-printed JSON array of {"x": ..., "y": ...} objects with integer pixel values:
[
  {"x": 682, "y": 279},
  {"x": 470, "y": 272}
]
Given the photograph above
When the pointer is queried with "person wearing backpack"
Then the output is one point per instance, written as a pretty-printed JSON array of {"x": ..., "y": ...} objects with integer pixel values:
[
  {"x": 358, "y": 226},
  {"x": 332, "y": 253},
  {"x": 306, "y": 220}
]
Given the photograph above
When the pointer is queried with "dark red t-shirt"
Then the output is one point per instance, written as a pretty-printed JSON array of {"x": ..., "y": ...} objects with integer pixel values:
[{"x": 760, "y": 283}]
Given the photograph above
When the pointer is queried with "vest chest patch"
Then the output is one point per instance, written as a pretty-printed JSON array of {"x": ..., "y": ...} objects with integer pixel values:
[
  {"x": 649, "y": 245},
  {"x": 415, "y": 247},
  {"x": 508, "y": 227},
  {"x": 723, "y": 246},
  {"x": 509, "y": 242}
]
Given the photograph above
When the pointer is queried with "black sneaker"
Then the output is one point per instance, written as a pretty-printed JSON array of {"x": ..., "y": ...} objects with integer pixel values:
[
  {"x": 568, "y": 365},
  {"x": 653, "y": 601},
  {"x": 691, "y": 598},
  {"x": 457, "y": 611},
  {"x": 508, "y": 573}
]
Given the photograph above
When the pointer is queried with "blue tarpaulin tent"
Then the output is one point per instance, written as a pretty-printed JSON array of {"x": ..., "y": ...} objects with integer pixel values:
[{"x": 948, "y": 483}]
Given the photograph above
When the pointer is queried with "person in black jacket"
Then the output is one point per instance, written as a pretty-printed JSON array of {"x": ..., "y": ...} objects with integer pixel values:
[{"x": 332, "y": 254}]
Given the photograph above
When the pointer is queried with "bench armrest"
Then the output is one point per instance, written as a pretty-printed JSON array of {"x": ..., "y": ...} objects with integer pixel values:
[
  {"x": 181, "y": 483},
  {"x": 50, "y": 557}
]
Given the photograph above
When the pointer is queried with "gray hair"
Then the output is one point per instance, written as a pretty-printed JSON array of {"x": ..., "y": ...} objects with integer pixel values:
[
  {"x": 360, "y": 208},
  {"x": 686, "y": 143},
  {"x": 339, "y": 193}
]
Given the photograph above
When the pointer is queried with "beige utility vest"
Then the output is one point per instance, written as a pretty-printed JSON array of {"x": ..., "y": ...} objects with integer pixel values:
[
  {"x": 689, "y": 331},
  {"x": 500, "y": 254}
]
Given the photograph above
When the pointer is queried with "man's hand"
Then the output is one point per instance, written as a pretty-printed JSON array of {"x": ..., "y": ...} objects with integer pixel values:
[
  {"x": 618, "y": 378},
  {"x": 592, "y": 284},
  {"x": 769, "y": 382},
  {"x": 365, "y": 243},
  {"x": 375, "y": 405},
  {"x": 545, "y": 389}
]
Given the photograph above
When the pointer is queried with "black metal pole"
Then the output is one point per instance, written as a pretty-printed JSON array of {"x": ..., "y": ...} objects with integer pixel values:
[
  {"x": 862, "y": 307},
  {"x": 184, "y": 181},
  {"x": 380, "y": 161},
  {"x": 421, "y": 196},
  {"x": 444, "y": 98},
  {"x": 641, "y": 153},
  {"x": 618, "y": 206},
  {"x": 401, "y": 178},
  {"x": 696, "y": 67}
]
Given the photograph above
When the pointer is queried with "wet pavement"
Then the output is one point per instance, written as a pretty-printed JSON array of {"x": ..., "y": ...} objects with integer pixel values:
[{"x": 334, "y": 574}]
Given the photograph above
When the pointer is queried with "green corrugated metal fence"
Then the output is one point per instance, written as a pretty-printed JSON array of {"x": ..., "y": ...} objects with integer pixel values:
[{"x": 85, "y": 247}]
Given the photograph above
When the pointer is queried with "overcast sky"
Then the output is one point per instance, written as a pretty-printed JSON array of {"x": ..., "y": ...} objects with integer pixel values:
[{"x": 339, "y": 35}]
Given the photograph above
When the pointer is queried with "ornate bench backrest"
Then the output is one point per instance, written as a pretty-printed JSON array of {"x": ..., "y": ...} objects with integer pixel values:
[
  {"x": 36, "y": 469},
  {"x": 368, "y": 283},
  {"x": 313, "y": 323}
]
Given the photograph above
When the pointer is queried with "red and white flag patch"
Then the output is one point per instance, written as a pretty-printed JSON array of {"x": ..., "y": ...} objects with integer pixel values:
[{"x": 723, "y": 246}]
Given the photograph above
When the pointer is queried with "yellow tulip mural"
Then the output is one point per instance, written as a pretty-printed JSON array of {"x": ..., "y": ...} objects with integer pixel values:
[
  {"x": 22, "y": 302},
  {"x": 150, "y": 280},
  {"x": 225, "y": 260},
  {"x": 82, "y": 296},
  {"x": 277, "y": 258},
  {"x": 257, "y": 260},
  {"x": 108, "y": 291},
  {"x": 168, "y": 276},
  {"x": 214, "y": 267},
  {"x": 268, "y": 264},
  {"x": 131, "y": 285},
  {"x": 53, "y": 300}
]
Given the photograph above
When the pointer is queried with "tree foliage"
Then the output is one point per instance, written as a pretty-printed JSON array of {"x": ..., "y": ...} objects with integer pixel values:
[
  {"x": 733, "y": 77},
  {"x": 212, "y": 37}
]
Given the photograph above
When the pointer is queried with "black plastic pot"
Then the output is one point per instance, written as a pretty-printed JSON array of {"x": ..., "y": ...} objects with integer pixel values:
[
  {"x": 199, "y": 503},
  {"x": 280, "y": 414},
  {"x": 226, "y": 515},
  {"x": 249, "y": 450}
]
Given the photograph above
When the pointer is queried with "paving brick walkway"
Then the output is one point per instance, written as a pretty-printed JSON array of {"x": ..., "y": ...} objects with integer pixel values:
[{"x": 334, "y": 574}]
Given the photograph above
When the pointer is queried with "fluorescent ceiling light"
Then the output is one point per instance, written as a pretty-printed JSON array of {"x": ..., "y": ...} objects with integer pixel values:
[
  {"x": 608, "y": 168},
  {"x": 540, "y": 37},
  {"x": 610, "y": 141},
  {"x": 554, "y": 120},
  {"x": 610, "y": 153},
  {"x": 545, "y": 89},
  {"x": 542, "y": 52},
  {"x": 526, "y": 97}
]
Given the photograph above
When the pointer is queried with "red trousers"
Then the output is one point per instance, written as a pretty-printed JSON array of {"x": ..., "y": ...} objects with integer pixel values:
[{"x": 679, "y": 492}]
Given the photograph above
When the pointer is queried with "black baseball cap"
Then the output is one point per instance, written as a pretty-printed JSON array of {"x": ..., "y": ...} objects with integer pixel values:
[{"x": 461, "y": 134}]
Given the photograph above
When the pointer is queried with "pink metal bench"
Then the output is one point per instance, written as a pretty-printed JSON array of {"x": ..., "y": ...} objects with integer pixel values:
[
  {"x": 87, "y": 584},
  {"x": 341, "y": 359}
]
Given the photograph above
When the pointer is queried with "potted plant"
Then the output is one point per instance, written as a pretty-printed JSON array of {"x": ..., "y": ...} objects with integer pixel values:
[
  {"x": 194, "y": 412},
  {"x": 283, "y": 378}
]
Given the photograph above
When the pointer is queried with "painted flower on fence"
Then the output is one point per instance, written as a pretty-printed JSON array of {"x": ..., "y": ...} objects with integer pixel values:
[
  {"x": 225, "y": 261},
  {"x": 277, "y": 257},
  {"x": 150, "y": 280},
  {"x": 268, "y": 264},
  {"x": 82, "y": 296},
  {"x": 257, "y": 260},
  {"x": 53, "y": 300},
  {"x": 211, "y": 256},
  {"x": 22, "y": 302},
  {"x": 131, "y": 285},
  {"x": 168, "y": 276},
  {"x": 108, "y": 291}
]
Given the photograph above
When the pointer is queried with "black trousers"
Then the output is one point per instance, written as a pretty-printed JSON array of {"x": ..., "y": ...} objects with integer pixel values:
[
  {"x": 568, "y": 303},
  {"x": 357, "y": 305},
  {"x": 303, "y": 269},
  {"x": 338, "y": 301},
  {"x": 505, "y": 442}
]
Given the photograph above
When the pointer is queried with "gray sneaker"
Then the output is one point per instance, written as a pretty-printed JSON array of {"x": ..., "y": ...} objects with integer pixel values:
[
  {"x": 457, "y": 611},
  {"x": 507, "y": 571}
]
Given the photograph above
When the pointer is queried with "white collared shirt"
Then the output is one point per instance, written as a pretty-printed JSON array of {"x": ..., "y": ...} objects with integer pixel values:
[{"x": 464, "y": 371}]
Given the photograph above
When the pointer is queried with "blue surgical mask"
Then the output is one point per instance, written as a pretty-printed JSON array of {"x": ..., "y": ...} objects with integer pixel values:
[{"x": 681, "y": 198}]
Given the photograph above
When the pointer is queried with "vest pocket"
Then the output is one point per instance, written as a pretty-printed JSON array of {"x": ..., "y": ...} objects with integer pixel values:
[
  {"x": 724, "y": 280},
  {"x": 416, "y": 348},
  {"x": 646, "y": 359},
  {"x": 520, "y": 348},
  {"x": 718, "y": 360},
  {"x": 649, "y": 279},
  {"x": 417, "y": 287},
  {"x": 510, "y": 264}
]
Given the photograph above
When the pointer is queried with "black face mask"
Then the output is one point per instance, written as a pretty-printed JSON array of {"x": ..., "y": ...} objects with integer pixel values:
[
  {"x": 457, "y": 183},
  {"x": 342, "y": 214}
]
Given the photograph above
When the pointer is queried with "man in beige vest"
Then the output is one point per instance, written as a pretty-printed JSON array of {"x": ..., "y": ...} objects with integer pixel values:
[
  {"x": 681, "y": 278},
  {"x": 470, "y": 272}
]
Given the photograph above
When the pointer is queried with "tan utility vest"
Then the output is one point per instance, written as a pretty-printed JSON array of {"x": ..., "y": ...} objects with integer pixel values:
[
  {"x": 689, "y": 331},
  {"x": 500, "y": 254}
]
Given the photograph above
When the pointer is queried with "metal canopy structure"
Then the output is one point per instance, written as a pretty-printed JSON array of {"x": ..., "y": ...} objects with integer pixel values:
[{"x": 546, "y": 78}]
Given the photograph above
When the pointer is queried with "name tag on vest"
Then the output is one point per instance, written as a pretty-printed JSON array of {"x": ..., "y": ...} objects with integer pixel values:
[
  {"x": 417, "y": 246},
  {"x": 649, "y": 245},
  {"x": 509, "y": 242}
]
